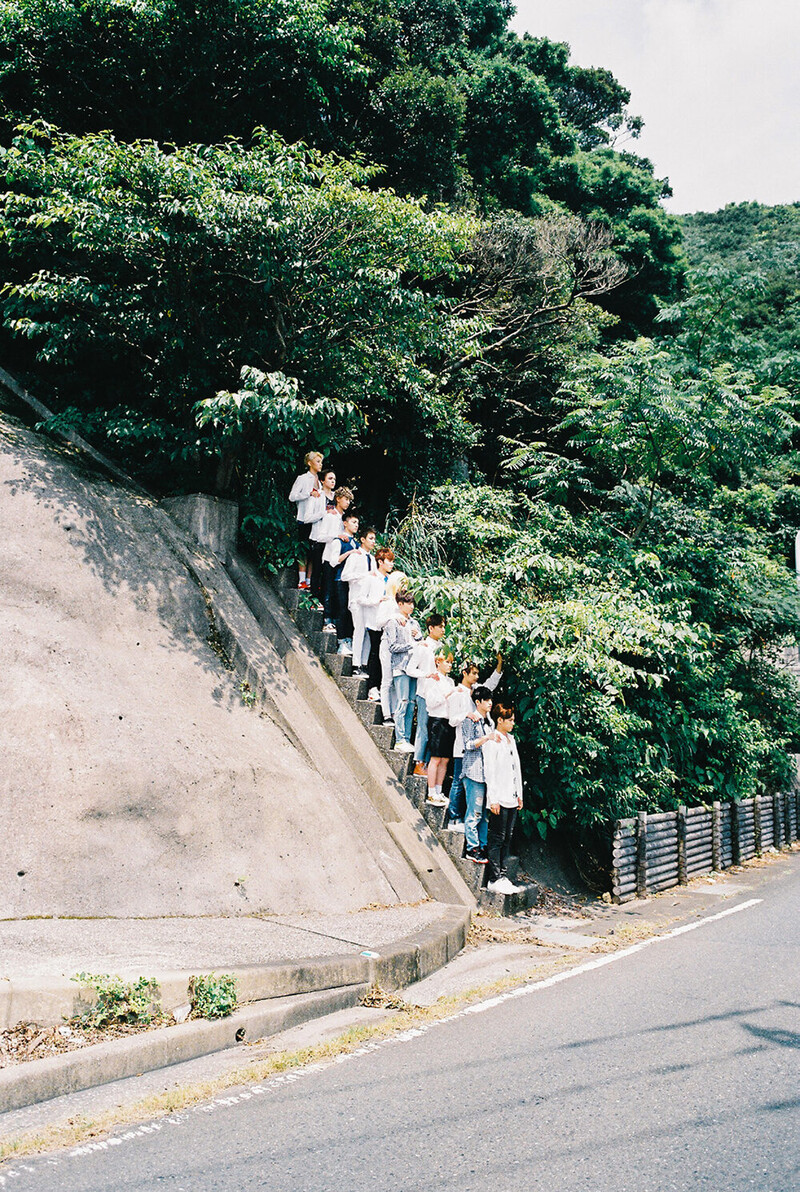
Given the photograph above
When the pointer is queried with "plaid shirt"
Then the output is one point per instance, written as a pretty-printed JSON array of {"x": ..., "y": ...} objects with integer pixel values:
[{"x": 473, "y": 730}]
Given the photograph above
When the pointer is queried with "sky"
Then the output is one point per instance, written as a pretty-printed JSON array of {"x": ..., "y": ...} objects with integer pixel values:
[{"x": 717, "y": 83}]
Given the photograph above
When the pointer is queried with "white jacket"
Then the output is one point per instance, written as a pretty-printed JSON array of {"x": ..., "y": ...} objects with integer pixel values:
[
  {"x": 357, "y": 567},
  {"x": 308, "y": 508},
  {"x": 372, "y": 594},
  {"x": 502, "y": 772}
]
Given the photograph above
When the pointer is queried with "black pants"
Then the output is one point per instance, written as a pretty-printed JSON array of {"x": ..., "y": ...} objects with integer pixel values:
[
  {"x": 374, "y": 661},
  {"x": 328, "y": 602},
  {"x": 341, "y": 614},
  {"x": 501, "y": 829},
  {"x": 315, "y": 554}
]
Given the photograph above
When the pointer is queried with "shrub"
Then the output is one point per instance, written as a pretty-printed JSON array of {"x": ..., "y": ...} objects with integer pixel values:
[
  {"x": 213, "y": 995},
  {"x": 119, "y": 1001}
]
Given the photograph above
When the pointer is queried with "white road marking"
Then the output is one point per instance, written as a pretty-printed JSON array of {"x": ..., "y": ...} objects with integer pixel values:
[{"x": 275, "y": 1082}]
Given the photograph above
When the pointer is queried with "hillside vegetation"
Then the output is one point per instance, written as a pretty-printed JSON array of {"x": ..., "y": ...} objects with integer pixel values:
[{"x": 407, "y": 236}]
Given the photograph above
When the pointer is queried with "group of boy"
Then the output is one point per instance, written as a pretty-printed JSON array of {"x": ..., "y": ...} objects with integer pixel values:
[{"x": 367, "y": 604}]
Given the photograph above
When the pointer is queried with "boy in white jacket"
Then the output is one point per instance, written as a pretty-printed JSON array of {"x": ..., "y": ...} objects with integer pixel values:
[
  {"x": 503, "y": 775},
  {"x": 305, "y": 493},
  {"x": 357, "y": 568},
  {"x": 422, "y": 667},
  {"x": 441, "y": 734}
]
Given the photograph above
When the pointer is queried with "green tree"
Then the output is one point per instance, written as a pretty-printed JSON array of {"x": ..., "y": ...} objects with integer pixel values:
[{"x": 169, "y": 272}]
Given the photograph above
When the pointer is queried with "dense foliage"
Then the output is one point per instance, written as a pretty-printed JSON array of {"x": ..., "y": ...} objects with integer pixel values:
[
  {"x": 442, "y": 96},
  {"x": 463, "y": 288}
]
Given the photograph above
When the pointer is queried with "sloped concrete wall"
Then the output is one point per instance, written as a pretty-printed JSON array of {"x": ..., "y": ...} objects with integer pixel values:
[{"x": 133, "y": 778}]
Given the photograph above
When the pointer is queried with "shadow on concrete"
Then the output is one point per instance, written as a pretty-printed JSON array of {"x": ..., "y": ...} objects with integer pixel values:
[{"x": 115, "y": 534}]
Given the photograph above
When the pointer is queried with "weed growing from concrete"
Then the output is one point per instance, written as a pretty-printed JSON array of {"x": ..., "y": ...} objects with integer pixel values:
[
  {"x": 118, "y": 1001},
  {"x": 213, "y": 995}
]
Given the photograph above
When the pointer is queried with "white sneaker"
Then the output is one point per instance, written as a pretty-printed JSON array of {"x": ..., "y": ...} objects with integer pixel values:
[
  {"x": 373, "y": 694},
  {"x": 329, "y": 627},
  {"x": 501, "y": 886},
  {"x": 436, "y": 801},
  {"x": 404, "y": 747},
  {"x": 456, "y": 826},
  {"x": 345, "y": 649}
]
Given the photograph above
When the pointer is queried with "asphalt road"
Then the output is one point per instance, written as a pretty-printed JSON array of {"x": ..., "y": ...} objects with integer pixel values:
[{"x": 674, "y": 1067}]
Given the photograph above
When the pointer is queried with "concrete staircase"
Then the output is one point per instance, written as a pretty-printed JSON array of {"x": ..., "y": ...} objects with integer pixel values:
[{"x": 309, "y": 621}]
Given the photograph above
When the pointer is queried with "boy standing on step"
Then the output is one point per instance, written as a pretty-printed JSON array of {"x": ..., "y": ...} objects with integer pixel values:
[
  {"x": 461, "y": 705},
  {"x": 335, "y": 556},
  {"x": 335, "y": 537},
  {"x": 441, "y": 733},
  {"x": 399, "y": 637},
  {"x": 475, "y": 731},
  {"x": 358, "y": 566},
  {"x": 504, "y": 796},
  {"x": 321, "y": 528},
  {"x": 372, "y": 596},
  {"x": 423, "y": 668},
  {"x": 305, "y": 491}
]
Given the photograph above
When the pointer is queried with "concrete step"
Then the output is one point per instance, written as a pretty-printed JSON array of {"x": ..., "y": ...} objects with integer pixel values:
[
  {"x": 353, "y": 688},
  {"x": 416, "y": 789},
  {"x": 291, "y": 598},
  {"x": 369, "y": 712},
  {"x": 339, "y": 665},
  {"x": 474, "y": 875},
  {"x": 382, "y": 734},
  {"x": 308, "y": 620},
  {"x": 453, "y": 842},
  {"x": 434, "y": 816},
  {"x": 509, "y": 904},
  {"x": 323, "y": 643},
  {"x": 285, "y": 578},
  {"x": 399, "y": 762}
]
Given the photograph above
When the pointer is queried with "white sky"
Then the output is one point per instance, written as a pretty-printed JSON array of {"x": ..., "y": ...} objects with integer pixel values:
[{"x": 717, "y": 83}]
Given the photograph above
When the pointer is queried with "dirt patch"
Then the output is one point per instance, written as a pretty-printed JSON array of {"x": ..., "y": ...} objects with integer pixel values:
[
  {"x": 568, "y": 906},
  {"x": 29, "y": 1041}
]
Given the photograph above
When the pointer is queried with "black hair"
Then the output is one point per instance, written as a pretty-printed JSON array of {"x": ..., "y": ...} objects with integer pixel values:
[{"x": 481, "y": 692}]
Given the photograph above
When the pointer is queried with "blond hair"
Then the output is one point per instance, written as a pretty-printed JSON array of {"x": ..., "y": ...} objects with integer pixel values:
[
  {"x": 309, "y": 455},
  {"x": 394, "y": 584}
]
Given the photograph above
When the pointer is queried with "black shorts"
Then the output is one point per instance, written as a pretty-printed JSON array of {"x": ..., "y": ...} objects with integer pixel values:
[
  {"x": 304, "y": 531},
  {"x": 441, "y": 737}
]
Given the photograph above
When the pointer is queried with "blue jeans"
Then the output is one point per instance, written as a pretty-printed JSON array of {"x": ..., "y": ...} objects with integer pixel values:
[
  {"x": 403, "y": 687},
  {"x": 457, "y": 806},
  {"x": 476, "y": 821},
  {"x": 421, "y": 752}
]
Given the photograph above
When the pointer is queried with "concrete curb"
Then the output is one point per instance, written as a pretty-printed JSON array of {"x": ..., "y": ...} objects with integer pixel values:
[
  {"x": 399, "y": 964},
  {"x": 39, "y": 1080},
  {"x": 49, "y": 1002}
]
